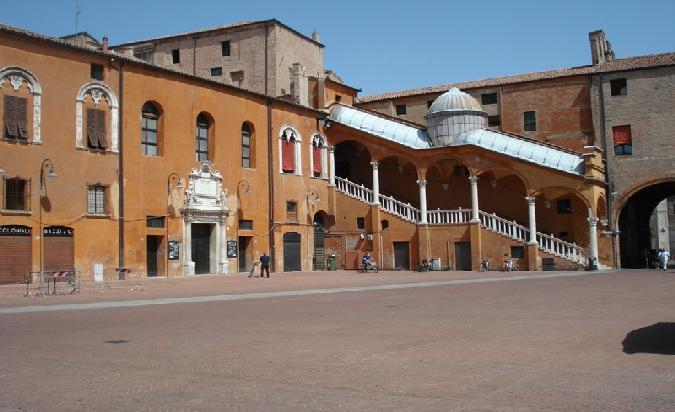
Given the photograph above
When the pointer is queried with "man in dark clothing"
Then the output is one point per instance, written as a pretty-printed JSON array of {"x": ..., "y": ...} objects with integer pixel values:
[{"x": 264, "y": 265}]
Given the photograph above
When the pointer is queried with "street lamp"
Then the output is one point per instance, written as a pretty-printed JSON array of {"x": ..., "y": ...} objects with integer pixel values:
[
  {"x": 173, "y": 177},
  {"x": 43, "y": 185}
]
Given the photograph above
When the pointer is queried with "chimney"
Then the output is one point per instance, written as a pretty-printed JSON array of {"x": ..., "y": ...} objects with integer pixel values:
[
  {"x": 104, "y": 46},
  {"x": 601, "y": 49},
  {"x": 299, "y": 84},
  {"x": 315, "y": 36}
]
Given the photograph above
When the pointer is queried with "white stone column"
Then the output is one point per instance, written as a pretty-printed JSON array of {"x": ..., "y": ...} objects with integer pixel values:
[
  {"x": 331, "y": 166},
  {"x": 593, "y": 239},
  {"x": 376, "y": 183},
  {"x": 423, "y": 200},
  {"x": 474, "y": 198},
  {"x": 188, "y": 264},
  {"x": 532, "y": 219},
  {"x": 221, "y": 246}
]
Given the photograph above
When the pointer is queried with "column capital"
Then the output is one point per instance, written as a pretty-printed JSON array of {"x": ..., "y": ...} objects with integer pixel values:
[
  {"x": 374, "y": 164},
  {"x": 422, "y": 182},
  {"x": 530, "y": 199},
  {"x": 592, "y": 220},
  {"x": 473, "y": 179},
  {"x": 331, "y": 148}
]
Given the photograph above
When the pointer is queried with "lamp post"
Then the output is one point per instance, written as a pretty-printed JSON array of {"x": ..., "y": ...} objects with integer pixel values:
[
  {"x": 171, "y": 178},
  {"x": 43, "y": 185}
]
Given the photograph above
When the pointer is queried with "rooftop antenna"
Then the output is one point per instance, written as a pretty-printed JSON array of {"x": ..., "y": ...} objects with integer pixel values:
[{"x": 78, "y": 10}]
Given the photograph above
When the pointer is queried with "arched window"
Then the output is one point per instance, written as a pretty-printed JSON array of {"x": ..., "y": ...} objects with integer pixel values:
[
  {"x": 100, "y": 120},
  {"x": 318, "y": 156},
  {"x": 289, "y": 150},
  {"x": 19, "y": 103},
  {"x": 149, "y": 130},
  {"x": 247, "y": 146},
  {"x": 202, "y": 143}
]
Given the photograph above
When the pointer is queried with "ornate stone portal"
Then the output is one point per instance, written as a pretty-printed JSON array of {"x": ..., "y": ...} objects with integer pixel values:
[{"x": 206, "y": 207}]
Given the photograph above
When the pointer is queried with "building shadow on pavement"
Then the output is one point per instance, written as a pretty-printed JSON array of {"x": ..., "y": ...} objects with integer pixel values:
[{"x": 658, "y": 338}]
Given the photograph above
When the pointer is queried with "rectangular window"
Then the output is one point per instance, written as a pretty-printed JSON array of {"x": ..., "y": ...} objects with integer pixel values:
[
  {"x": 494, "y": 121},
  {"x": 292, "y": 211},
  {"x": 225, "y": 48},
  {"x": 338, "y": 98},
  {"x": 96, "y": 134},
  {"x": 17, "y": 194},
  {"x": 246, "y": 224},
  {"x": 216, "y": 71},
  {"x": 488, "y": 98},
  {"x": 96, "y": 200},
  {"x": 619, "y": 87},
  {"x": 16, "y": 117},
  {"x": 361, "y": 223},
  {"x": 154, "y": 221},
  {"x": 237, "y": 76},
  {"x": 623, "y": 140},
  {"x": 529, "y": 121},
  {"x": 563, "y": 206},
  {"x": 146, "y": 55},
  {"x": 97, "y": 71},
  {"x": 175, "y": 56},
  {"x": 401, "y": 110},
  {"x": 517, "y": 252}
]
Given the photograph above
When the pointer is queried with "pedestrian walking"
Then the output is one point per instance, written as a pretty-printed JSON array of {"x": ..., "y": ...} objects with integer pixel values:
[
  {"x": 264, "y": 265},
  {"x": 664, "y": 256}
]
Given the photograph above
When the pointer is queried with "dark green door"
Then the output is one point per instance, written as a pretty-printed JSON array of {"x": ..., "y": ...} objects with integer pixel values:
[
  {"x": 402, "y": 255},
  {"x": 201, "y": 247},
  {"x": 463, "y": 256},
  {"x": 291, "y": 252}
]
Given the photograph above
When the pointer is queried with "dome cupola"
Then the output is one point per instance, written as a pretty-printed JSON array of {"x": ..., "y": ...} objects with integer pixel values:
[{"x": 451, "y": 114}]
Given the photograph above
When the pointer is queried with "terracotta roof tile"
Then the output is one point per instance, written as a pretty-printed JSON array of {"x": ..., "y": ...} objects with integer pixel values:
[{"x": 616, "y": 65}]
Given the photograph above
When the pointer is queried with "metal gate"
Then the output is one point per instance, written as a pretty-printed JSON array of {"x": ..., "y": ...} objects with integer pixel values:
[
  {"x": 319, "y": 252},
  {"x": 16, "y": 258},
  {"x": 402, "y": 255},
  {"x": 463, "y": 256},
  {"x": 58, "y": 248},
  {"x": 292, "y": 252}
]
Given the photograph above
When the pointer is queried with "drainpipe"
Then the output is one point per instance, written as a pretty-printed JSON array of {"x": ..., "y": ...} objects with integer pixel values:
[
  {"x": 608, "y": 180},
  {"x": 270, "y": 181},
  {"x": 120, "y": 158}
]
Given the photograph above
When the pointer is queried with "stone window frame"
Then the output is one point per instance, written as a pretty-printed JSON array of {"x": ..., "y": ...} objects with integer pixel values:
[
  {"x": 97, "y": 91},
  {"x": 401, "y": 109},
  {"x": 285, "y": 133},
  {"x": 318, "y": 140},
  {"x": 25, "y": 194},
  {"x": 17, "y": 76},
  {"x": 93, "y": 188}
]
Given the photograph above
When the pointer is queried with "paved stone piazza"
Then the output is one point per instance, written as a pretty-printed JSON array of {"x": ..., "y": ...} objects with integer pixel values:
[{"x": 459, "y": 341}]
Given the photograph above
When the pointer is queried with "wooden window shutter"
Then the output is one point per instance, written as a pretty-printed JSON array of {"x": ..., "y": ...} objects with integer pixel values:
[
  {"x": 10, "y": 116},
  {"x": 91, "y": 128},
  {"x": 622, "y": 135},
  {"x": 22, "y": 117},
  {"x": 100, "y": 129},
  {"x": 316, "y": 154},
  {"x": 288, "y": 156}
]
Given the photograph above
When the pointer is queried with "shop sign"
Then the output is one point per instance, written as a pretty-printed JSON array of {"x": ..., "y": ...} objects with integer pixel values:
[
  {"x": 15, "y": 230},
  {"x": 231, "y": 248},
  {"x": 57, "y": 231},
  {"x": 174, "y": 250}
]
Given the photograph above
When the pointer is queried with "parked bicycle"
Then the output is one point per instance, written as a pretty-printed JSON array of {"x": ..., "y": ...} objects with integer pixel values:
[
  {"x": 424, "y": 265},
  {"x": 484, "y": 265},
  {"x": 509, "y": 265},
  {"x": 253, "y": 268}
]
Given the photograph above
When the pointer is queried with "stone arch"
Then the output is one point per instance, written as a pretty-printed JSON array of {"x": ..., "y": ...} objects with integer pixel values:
[
  {"x": 563, "y": 213},
  {"x": 97, "y": 90},
  {"x": 352, "y": 162},
  {"x": 448, "y": 184},
  {"x": 16, "y": 76},
  {"x": 398, "y": 178},
  {"x": 503, "y": 191},
  {"x": 637, "y": 234}
]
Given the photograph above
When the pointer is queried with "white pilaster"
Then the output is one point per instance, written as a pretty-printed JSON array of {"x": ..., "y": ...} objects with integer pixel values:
[
  {"x": 593, "y": 238},
  {"x": 331, "y": 166}
]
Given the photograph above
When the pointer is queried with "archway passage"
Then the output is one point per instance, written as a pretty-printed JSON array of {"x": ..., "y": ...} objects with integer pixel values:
[{"x": 635, "y": 234}]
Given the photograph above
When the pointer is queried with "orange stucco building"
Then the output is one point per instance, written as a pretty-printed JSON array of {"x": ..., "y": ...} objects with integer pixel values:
[{"x": 109, "y": 162}]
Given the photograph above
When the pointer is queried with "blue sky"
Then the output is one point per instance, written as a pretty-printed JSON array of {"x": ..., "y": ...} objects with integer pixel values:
[{"x": 390, "y": 45}]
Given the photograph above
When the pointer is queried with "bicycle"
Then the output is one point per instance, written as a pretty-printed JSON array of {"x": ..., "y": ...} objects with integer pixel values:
[
  {"x": 484, "y": 265},
  {"x": 510, "y": 265},
  {"x": 366, "y": 266},
  {"x": 252, "y": 271}
]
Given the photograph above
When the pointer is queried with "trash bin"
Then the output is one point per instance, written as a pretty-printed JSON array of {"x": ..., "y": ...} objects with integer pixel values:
[
  {"x": 592, "y": 264},
  {"x": 331, "y": 262}
]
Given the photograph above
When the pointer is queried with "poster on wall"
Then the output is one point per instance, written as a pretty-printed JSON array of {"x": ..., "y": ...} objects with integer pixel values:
[
  {"x": 231, "y": 248},
  {"x": 174, "y": 250}
]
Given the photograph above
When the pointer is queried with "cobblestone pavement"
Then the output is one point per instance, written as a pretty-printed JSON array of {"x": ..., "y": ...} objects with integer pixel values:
[{"x": 520, "y": 344}]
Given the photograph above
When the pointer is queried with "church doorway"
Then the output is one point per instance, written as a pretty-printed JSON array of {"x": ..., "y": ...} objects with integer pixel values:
[{"x": 201, "y": 247}]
